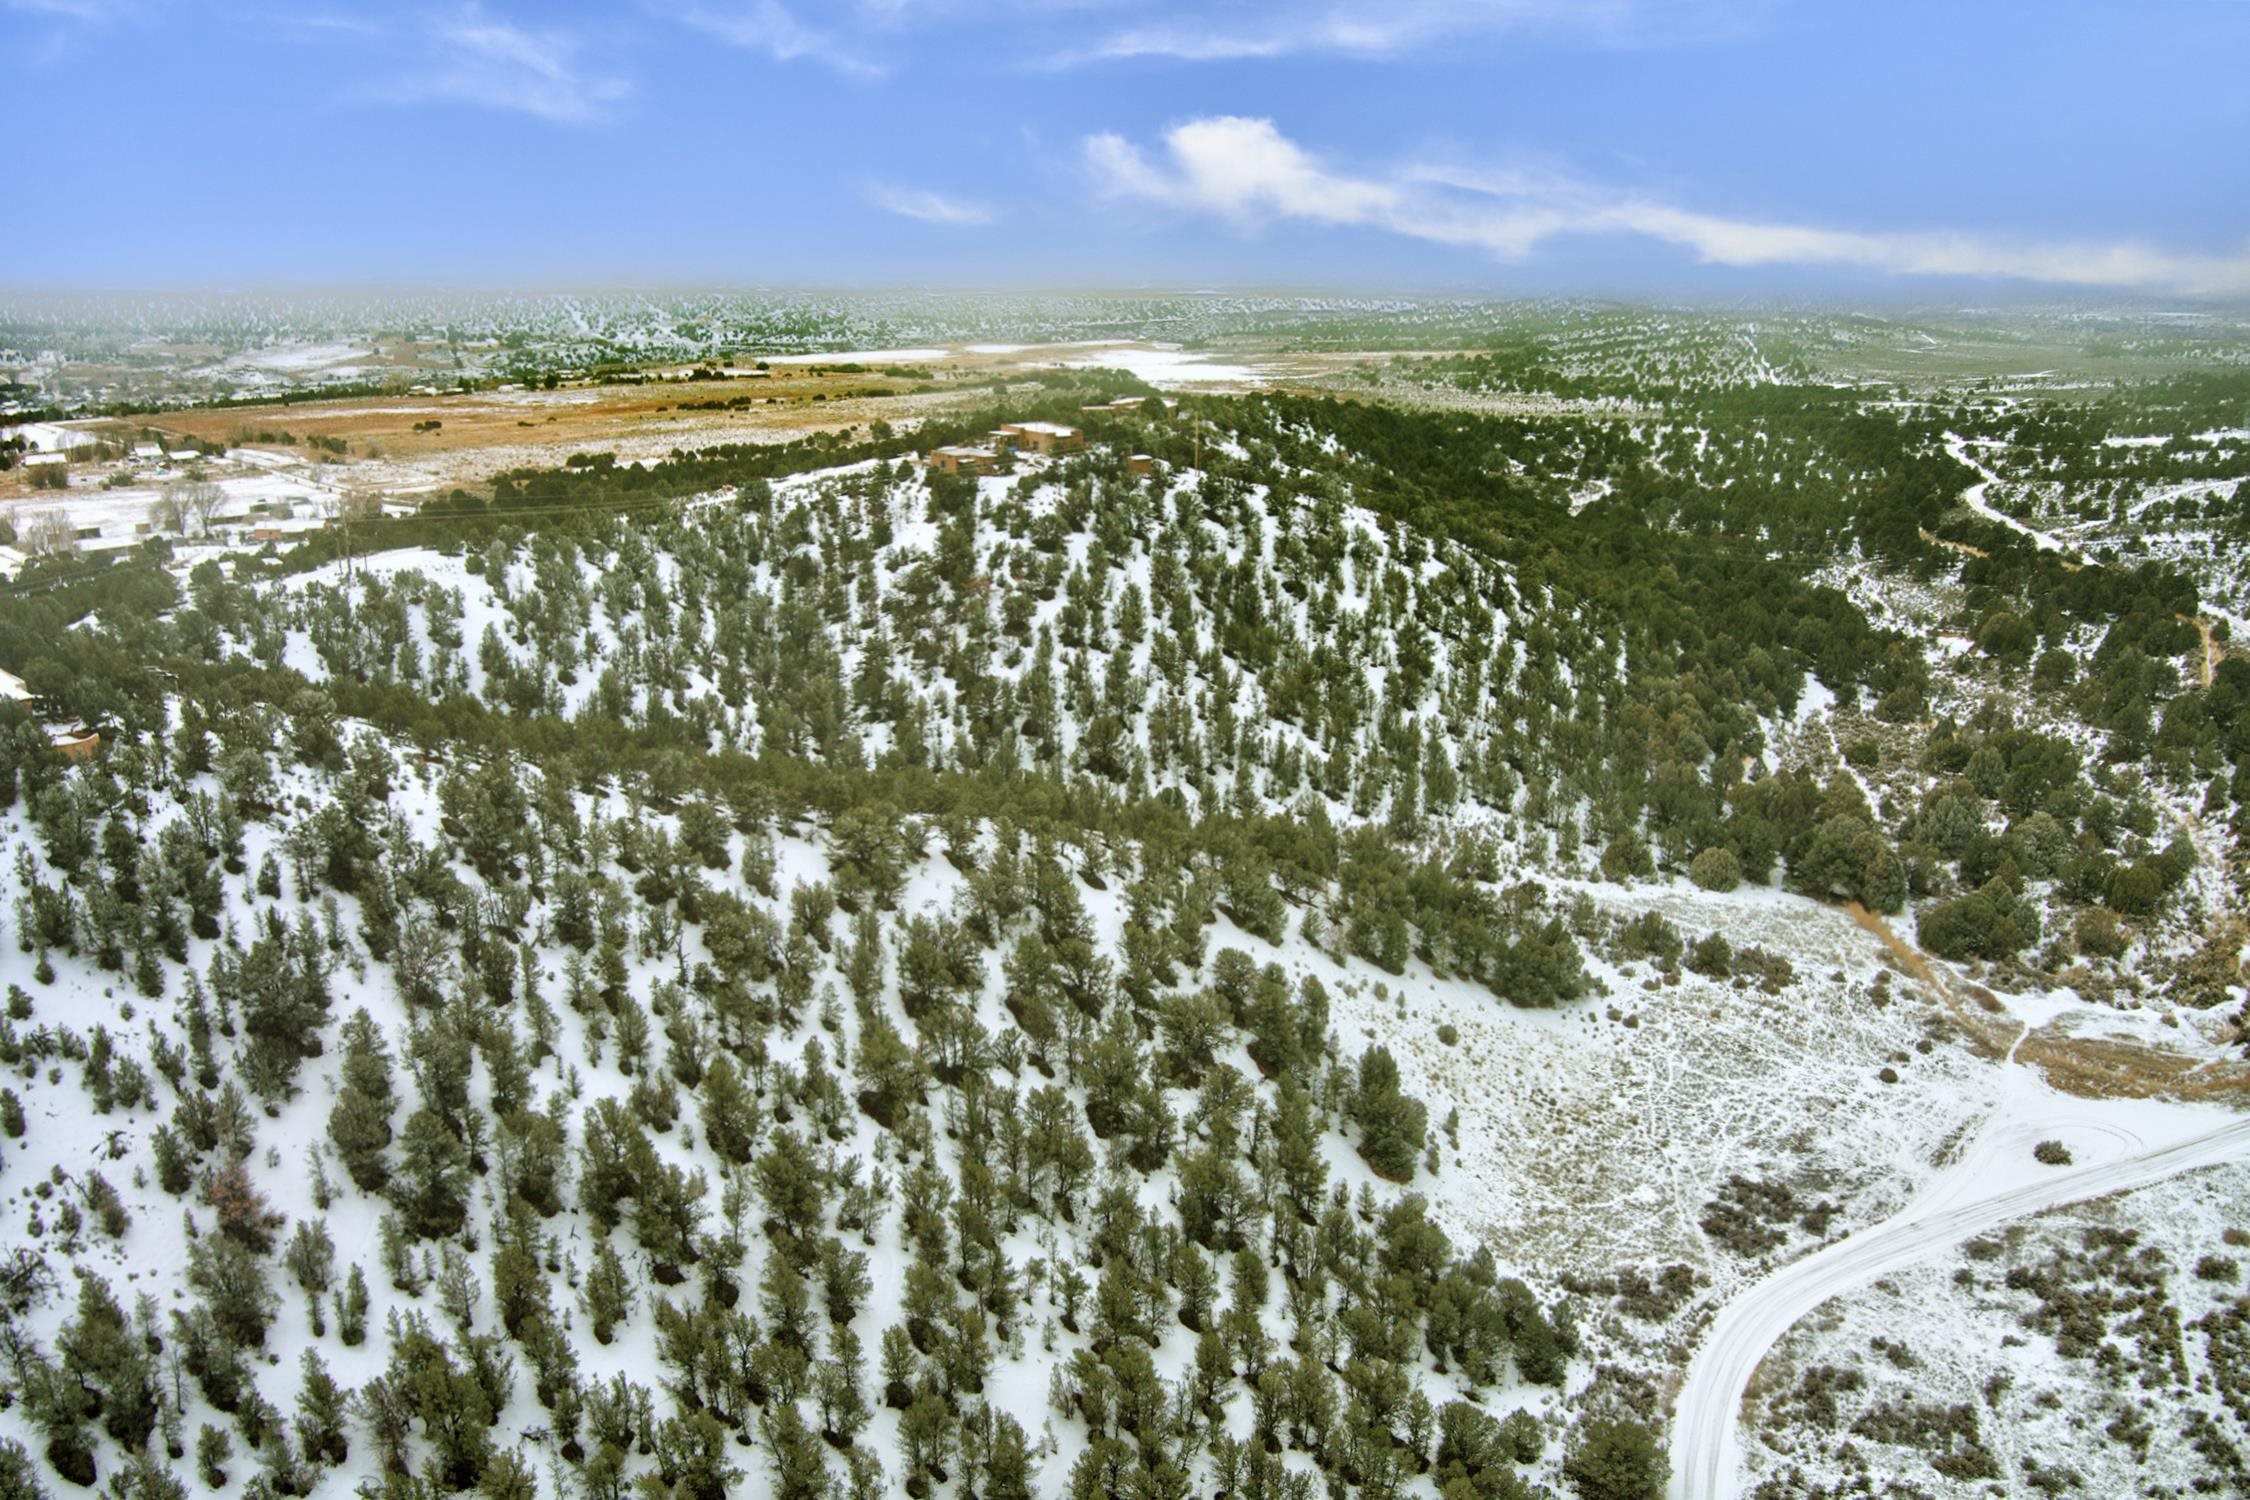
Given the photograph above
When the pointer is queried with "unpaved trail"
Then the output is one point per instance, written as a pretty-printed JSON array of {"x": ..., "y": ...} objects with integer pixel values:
[
  {"x": 1961, "y": 547},
  {"x": 1994, "y": 1032},
  {"x": 1982, "y": 1190},
  {"x": 1973, "y": 498},
  {"x": 2114, "y": 1103},
  {"x": 2093, "y": 1067},
  {"x": 2212, "y": 650}
]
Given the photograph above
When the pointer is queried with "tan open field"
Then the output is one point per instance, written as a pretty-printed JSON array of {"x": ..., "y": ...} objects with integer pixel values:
[{"x": 482, "y": 433}]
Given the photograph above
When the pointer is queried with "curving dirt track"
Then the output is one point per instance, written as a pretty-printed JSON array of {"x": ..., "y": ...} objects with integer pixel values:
[
  {"x": 2093, "y": 1094},
  {"x": 1976, "y": 1194}
]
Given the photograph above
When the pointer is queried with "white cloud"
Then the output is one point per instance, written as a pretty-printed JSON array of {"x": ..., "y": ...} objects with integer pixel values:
[
  {"x": 67, "y": 10},
  {"x": 1247, "y": 173},
  {"x": 1062, "y": 33},
  {"x": 929, "y": 207},
  {"x": 766, "y": 26},
  {"x": 1225, "y": 32},
  {"x": 68, "y": 26},
  {"x": 498, "y": 65}
]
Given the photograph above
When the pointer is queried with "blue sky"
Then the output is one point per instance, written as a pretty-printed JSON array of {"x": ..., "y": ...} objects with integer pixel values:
[{"x": 1725, "y": 147}]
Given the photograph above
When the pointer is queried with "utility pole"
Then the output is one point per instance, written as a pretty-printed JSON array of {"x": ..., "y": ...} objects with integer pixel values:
[{"x": 346, "y": 503}]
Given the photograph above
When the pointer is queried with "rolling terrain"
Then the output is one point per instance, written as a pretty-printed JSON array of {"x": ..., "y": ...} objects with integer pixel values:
[{"x": 1414, "y": 920}]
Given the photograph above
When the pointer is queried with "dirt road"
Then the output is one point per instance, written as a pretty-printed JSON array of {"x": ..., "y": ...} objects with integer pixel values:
[
  {"x": 2119, "y": 1145},
  {"x": 2212, "y": 650},
  {"x": 1973, "y": 498}
]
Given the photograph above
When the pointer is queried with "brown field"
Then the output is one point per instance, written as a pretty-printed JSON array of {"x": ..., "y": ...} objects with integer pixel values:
[{"x": 483, "y": 433}]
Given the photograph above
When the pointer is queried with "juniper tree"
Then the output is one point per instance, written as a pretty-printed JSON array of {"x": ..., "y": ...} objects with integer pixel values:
[
  {"x": 321, "y": 1411},
  {"x": 608, "y": 1291},
  {"x": 231, "y": 1282},
  {"x": 351, "y": 1308},
  {"x": 311, "y": 1259},
  {"x": 1391, "y": 1124},
  {"x": 431, "y": 1185}
]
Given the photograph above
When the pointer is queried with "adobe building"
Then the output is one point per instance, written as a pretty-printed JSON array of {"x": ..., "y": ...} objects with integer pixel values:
[{"x": 1041, "y": 437}]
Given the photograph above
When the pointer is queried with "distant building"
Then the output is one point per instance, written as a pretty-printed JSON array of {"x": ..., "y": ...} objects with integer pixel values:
[
  {"x": 1041, "y": 437},
  {"x": 1140, "y": 463},
  {"x": 960, "y": 459},
  {"x": 13, "y": 688}
]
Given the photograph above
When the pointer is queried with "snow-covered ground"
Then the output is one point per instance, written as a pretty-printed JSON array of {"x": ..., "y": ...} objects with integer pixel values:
[
  {"x": 2092, "y": 1341},
  {"x": 124, "y": 516},
  {"x": 856, "y": 357},
  {"x": 1171, "y": 369},
  {"x": 2114, "y": 1146},
  {"x": 55, "y": 437}
]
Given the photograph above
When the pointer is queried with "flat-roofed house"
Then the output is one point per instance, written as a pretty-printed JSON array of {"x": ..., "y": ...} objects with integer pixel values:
[
  {"x": 1042, "y": 437},
  {"x": 959, "y": 458}
]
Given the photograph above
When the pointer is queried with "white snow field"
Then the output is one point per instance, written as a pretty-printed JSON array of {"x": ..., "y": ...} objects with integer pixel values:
[
  {"x": 2116, "y": 1146},
  {"x": 855, "y": 357},
  {"x": 1170, "y": 369}
]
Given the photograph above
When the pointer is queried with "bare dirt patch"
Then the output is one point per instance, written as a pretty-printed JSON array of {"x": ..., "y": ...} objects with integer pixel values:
[{"x": 2089, "y": 1067}]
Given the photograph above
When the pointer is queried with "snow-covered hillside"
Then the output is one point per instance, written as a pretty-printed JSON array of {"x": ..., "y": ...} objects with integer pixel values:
[{"x": 1105, "y": 979}]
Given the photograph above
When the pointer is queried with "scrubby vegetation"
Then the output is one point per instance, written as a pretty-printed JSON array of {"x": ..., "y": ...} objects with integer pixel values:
[{"x": 775, "y": 970}]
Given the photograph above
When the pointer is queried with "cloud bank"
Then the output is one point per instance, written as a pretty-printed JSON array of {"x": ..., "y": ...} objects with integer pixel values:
[{"x": 1246, "y": 173}]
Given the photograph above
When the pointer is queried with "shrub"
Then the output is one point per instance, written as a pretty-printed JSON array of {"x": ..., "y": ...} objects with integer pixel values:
[
  {"x": 1711, "y": 956},
  {"x": 1744, "y": 1215},
  {"x": 1617, "y": 1461},
  {"x": 1716, "y": 870},
  {"x": 1626, "y": 857},
  {"x": 2051, "y": 1153},
  {"x": 1650, "y": 935},
  {"x": 2099, "y": 935}
]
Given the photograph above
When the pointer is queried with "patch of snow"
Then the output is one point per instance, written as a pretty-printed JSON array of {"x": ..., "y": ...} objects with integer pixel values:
[
  {"x": 855, "y": 357},
  {"x": 1169, "y": 368}
]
